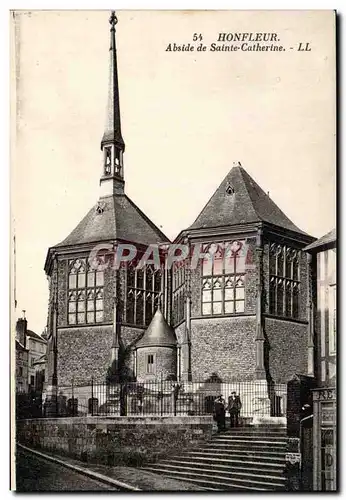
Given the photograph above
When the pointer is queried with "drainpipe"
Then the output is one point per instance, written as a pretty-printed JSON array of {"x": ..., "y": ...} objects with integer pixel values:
[
  {"x": 300, "y": 442},
  {"x": 300, "y": 428}
]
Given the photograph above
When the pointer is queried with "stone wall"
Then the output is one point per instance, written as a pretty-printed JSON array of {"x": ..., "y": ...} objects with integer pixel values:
[
  {"x": 288, "y": 348},
  {"x": 117, "y": 440},
  {"x": 165, "y": 363},
  {"x": 223, "y": 346},
  {"x": 83, "y": 353}
]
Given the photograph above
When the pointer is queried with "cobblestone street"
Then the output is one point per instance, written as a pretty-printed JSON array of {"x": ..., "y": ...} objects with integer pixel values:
[{"x": 36, "y": 474}]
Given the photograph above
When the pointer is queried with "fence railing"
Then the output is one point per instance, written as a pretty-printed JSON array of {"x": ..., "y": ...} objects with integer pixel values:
[{"x": 168, "y": 398}]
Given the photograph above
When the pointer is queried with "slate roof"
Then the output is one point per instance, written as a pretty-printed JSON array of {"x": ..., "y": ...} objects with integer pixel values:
[
  {"x": 248, "y": 203},
  {"x": 120, "y": 219},
  {"x": 35, "y": 336},
  {"x": 20, "y": 347},
  {"x": 158, "y": 333},
  {"x": 324, "y": 240}
]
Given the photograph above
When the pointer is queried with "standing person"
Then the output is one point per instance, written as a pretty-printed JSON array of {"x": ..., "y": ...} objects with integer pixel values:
[
  {"x": 220, "y": 413},
  {"x": 234, "y": 407}
]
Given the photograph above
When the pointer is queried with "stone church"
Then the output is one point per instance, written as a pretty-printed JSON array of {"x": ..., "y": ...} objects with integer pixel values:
[{"x": 242, "y": 313}]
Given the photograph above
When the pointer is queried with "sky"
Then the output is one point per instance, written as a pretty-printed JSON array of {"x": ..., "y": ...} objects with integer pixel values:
[{"x": 186, "y": 117}]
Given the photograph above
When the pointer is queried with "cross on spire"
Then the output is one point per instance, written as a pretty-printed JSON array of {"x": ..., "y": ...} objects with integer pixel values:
[{"x": 113, "y": 20}]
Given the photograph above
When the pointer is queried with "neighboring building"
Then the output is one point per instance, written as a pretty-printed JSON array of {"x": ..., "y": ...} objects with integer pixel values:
[
  {"x": 324, "y": 274},
  {"x": 242, "y": 317},
  {"x": 37, "y": 347},
  {"x": 39, "y": 366},
  {"x": 22, "y": 356},
  {"x": 29, "y": 347}
]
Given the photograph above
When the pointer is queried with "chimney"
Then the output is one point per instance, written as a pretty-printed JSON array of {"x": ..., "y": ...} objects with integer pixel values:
[
  {"x": 21, "y": 328},
  {"x": 44, "y": 334}
]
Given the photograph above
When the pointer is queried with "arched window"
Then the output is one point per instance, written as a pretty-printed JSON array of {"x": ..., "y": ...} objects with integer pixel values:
[
  {"x": 86, "y": 290},
  {"x": 178, "y": 312},
  {"x": 143, "y": 293},
  {"x": 284, "y": 284},
  {"x": 223, "y": 278}
]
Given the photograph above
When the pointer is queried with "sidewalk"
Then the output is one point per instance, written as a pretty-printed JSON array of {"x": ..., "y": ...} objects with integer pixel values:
[{"x": 125, "y": 478}]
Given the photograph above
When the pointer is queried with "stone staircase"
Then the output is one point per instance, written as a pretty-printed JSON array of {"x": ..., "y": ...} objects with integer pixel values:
[{"x": 242, "y": 459}]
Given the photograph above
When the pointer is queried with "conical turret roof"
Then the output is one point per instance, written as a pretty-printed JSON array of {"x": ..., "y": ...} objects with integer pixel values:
[{"x": 158, "y": 333}]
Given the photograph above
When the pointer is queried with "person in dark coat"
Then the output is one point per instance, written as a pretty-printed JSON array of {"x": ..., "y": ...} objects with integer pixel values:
[
  {"x": 220, "y": 413},
  {"x": 234, "y": 407}
]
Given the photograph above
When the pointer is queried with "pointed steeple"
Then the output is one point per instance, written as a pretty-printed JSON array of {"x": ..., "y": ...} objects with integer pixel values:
[{"x": 112, "y": 144}]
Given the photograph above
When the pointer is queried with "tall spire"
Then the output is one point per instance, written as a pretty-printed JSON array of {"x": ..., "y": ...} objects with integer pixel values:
[{"x": 112, "y": 144}]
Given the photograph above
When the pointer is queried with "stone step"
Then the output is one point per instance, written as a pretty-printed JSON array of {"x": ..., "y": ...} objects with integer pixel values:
[
  {"x": 276, "y": 457},
  {"x": 233, "y": 440},
  {"x": 262, "y": 432},
  {"x": 248, "y": 440},
  {"x": 242, "y": 446},
  {"x": 258, "y": 428},
  {"x": 230, "y": 468},
  {"x": 226, "y": 462},
  {"x": 246, "y": 482},
  {"x": 227, "y": 474}
]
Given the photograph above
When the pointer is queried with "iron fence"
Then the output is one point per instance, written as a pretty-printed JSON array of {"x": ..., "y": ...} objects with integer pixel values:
[
  {"x": 28, "y": 404},
  {"x": 168, "y": 398}
]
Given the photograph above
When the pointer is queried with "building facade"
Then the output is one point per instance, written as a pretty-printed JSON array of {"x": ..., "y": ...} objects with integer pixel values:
[
  {"x": 245, "y": 313},
  {"x": 324, "y": 268},
  {"x": 239, "y": 310},
  {"x": 37, "y": 347},
  {"x": 30, "y": 347},
  {"x": 22, "y": 364}
]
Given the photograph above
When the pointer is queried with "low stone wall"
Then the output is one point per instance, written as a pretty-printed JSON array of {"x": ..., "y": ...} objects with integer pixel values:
[{"x": 129, "y": 441}]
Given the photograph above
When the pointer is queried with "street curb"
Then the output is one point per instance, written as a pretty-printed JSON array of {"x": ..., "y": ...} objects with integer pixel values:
[{"x": 81, "y": 470}]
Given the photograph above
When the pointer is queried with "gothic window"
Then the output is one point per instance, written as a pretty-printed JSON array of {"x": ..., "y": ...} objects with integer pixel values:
[
  {"x": 223, "y": 280},
  {"x": 280, "y": 297},
  {"x": 284, "y": 285},
  {"x": 288, "y": 298},
  {"x": 143, "y": 294},
  {"x": 178, "y": 292},
  {"x": 108, "y": 161},
  {"x": 85, "y": 295}
]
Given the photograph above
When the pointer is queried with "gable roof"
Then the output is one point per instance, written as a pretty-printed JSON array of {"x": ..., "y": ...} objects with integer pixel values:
[
  {"x": 246, "y": 202},
  {"x": 324, "y": 240},
  {"x": 119, "y": 219},
  {"x": 158, "y": 333}
]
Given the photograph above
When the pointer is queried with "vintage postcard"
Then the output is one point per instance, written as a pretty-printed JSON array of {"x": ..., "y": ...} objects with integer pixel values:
[{"x": 173, "y": 264}]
